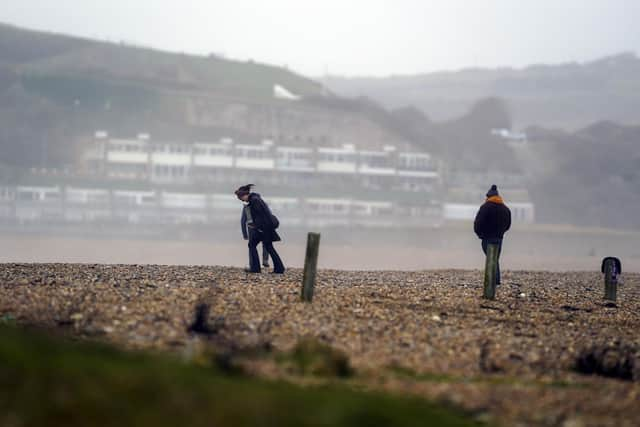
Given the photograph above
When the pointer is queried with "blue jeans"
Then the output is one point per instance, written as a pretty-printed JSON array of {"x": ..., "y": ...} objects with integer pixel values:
[{"x": 493, "y": 241}]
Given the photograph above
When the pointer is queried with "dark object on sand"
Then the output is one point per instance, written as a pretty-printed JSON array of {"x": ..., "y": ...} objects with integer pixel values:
[
  {"x": 490, "y": 271},
  {"x": 310, "y": 266},
  {"x": 615, "y": 360},
  {"x": 200, "y": 325},
  {"x": 611, "y": 267}
]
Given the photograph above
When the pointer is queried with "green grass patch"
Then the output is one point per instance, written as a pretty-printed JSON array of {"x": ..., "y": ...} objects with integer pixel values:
[
  {"x": 310, "y": 357},
  {"x": 7, "y": 320},
  {"x": 53, "y": 381}
]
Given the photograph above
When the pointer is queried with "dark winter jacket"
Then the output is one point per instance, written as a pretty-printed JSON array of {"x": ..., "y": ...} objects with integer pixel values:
[
  {"x": 493, "y": 219},
  {"x": 263, "y": 220}
]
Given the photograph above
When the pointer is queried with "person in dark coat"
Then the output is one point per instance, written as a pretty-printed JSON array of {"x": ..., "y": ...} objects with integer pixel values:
[
  {"x": 492, "y": 221},
  {"x": 260, "y": 226}
]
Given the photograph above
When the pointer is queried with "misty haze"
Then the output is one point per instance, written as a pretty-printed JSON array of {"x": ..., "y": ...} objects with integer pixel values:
[
  {"x": 105, "y": 143},
  {"x": 124, "y": 143}
]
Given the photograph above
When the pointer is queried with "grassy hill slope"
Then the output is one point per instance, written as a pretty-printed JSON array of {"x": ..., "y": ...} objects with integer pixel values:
[{"x": 35, "y": 53}]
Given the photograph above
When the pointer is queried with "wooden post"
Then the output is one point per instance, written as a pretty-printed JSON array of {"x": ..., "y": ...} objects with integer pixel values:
[
  {"x": 610, "y": 279},
  {"x": 490, "y": 269},
  {"x": 310, "y": 266}
]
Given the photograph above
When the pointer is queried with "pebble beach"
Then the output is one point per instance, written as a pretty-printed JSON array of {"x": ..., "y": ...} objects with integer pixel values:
[{"x": 511, "y": 361}]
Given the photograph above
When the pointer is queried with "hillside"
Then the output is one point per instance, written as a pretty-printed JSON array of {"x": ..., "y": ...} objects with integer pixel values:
[
  {"x": 568, "y": 96},
  {"x": 52, "y": 56},
  {"x": 588, "y": 177},
  {"x": 56, "y": 90}
]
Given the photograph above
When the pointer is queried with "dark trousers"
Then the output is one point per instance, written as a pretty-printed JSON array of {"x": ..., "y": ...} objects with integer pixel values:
[
  {"x": 265, "y": 256},
  {"x": 256, "y": 237},
  {"x": 494, "y": 241}
]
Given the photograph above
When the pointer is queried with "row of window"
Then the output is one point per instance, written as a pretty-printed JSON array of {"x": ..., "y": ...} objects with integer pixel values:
[
  {"x": 164, "y": 218},
  {"x": 212, "y": 151},
  {"x": 184, "y": 174},
  {"x": 417, "y": 161},
  {"x": 169, "y": 171},
  {"x": 129, "y": 148},
  {"x": 132, "y": 199},
  {"x": 134, "y": 147}
]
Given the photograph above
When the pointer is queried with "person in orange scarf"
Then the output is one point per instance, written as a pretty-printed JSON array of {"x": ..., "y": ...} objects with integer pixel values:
[{"x": 492, "y": 221}]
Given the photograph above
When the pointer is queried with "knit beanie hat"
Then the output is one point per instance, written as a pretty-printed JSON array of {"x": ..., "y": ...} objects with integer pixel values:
[{"x": 493, "y": 191}]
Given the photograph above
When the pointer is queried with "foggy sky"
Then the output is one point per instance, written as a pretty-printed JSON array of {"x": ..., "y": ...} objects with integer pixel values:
[{"x": 370, "y": 37}]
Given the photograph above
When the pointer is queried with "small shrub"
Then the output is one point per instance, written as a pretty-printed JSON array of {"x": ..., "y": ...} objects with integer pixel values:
[
  {"x": 311, "y": 357},
  {"x": 615, "y": 360}
]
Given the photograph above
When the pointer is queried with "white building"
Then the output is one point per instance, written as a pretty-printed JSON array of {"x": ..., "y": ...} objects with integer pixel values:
[
  {"x": 127, "y": 158},
  {"x": 520, "y": 212},
  {"x": 171, "y": 162},
  {"x": 295, "y": 159},
  {"x": 343, "y": 160},
  {"x": 340, "y": 171},
  {"x": 226, "y": 161}
]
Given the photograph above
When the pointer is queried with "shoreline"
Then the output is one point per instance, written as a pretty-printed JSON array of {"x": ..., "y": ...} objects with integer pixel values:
[{"x": 459, "y": 254}]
